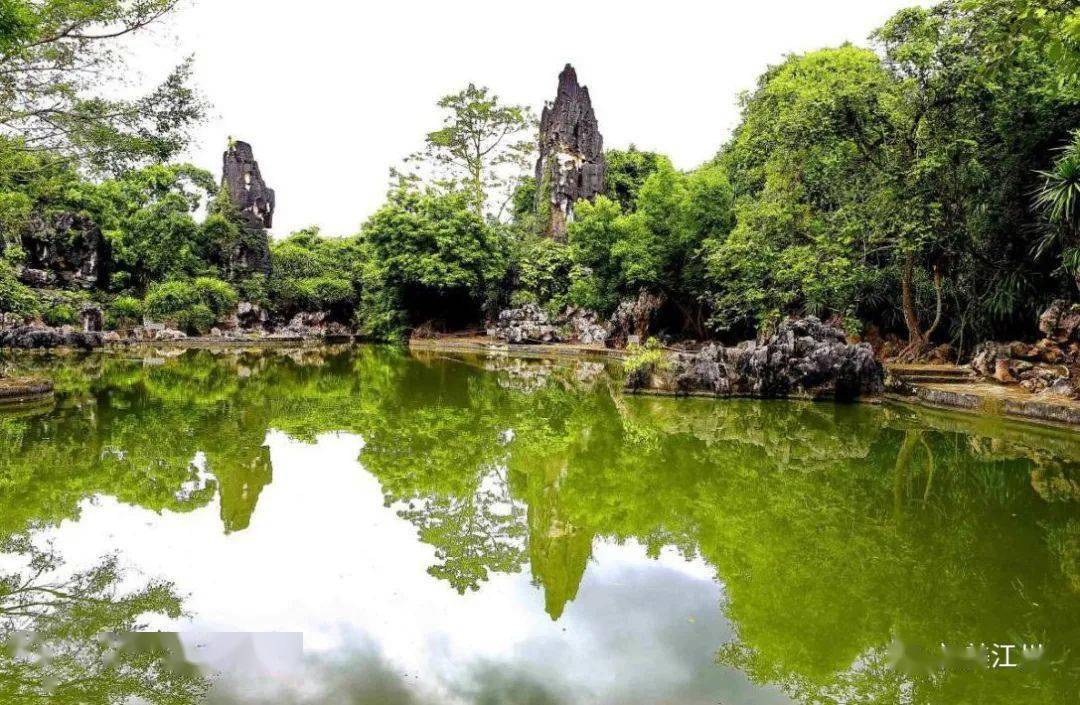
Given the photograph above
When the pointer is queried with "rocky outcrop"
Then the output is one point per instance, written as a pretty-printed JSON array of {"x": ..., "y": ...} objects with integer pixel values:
[
  {"x": 254, "y": 202},
  {"x": 250, "y": 317},
  {"x": 571, "y": 165},
  {"x": 63, "y": 249},
  {"x": 92, "y": 319},
  {"x": 1049, "y": 365},
  {"x": 632, "y": 319},
  {"x": 1060, "y": 322},
  {"x": 312, "y": 324},
  {"x": 247, "y": 190},
  {"x": 531, "y": 324},
  {"x": 1038, "y": 367},
  {"x": 40, "y": 337},
  {"x": 586, "y": 327},
  {"x": 526, "y": 324},
  {"x": 804, "y": 358}
]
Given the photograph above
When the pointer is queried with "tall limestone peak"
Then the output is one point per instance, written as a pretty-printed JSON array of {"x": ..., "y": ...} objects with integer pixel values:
[
  {"x": 571, "y": 164},
  {"x": 249, "y": 193},
  {"x": 254, "y": 202}
]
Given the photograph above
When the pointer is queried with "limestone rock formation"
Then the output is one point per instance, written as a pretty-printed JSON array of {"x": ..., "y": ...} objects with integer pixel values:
[
  {"x": 804, "y": 358},
  {"x": 633, "y": 317},
  {"x": 63, "y": 248},
  {"x": 1061, "y": 322},
  {"x": 571, "y": 164},
  {"x": 40, "y": 337},
  {"x": 92, "y": 319},
  {"x": 531, "y": 324},
  {"x": 254, "y": 202},
  {"x": 247, "y": 190},
  {"x": 526, "y": 324}
]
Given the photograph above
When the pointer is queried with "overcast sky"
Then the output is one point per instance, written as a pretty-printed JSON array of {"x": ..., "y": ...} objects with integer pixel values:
[{"x": 331, "y": 93}]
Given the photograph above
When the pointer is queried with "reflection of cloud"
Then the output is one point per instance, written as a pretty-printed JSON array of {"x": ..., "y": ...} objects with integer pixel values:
[
  {"x": 640, "y": 633},
  {"x": 358, "y": 677},
  {"x": 380, "y": 629},
  {"x": 498, "y": 684}
]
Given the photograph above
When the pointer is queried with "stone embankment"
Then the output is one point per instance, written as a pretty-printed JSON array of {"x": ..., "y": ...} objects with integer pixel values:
[
  {"x": 804, "y": 358},
  {"x": 15, "y": 390}
]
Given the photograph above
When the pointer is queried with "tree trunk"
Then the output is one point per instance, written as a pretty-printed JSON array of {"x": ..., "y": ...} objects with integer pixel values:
[
  {"x": 938, "y": 286},
  {"x": 911, "y": 317}
]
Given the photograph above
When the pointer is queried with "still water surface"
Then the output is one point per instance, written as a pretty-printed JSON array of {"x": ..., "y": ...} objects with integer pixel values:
[{"x": 464, "y": 530}]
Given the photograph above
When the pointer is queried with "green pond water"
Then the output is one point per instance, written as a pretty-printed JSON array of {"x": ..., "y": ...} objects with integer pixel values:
[{"x": 364, "y": 525}]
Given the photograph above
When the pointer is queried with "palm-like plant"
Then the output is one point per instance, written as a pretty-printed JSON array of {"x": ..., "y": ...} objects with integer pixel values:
[{"x": 1059, "y": 196}]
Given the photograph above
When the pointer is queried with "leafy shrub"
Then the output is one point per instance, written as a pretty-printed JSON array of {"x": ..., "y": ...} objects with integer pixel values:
[
  {"x": 194, "y": 306},
  {"x": 165, "y": 300},
  {"x": 218, "y": 296},
  {"x": 327, "y": 292},
  {"x": 198, "y": 319},
  {"x": 543, "y": 271},
  {"x": 15, "y": 297},
  {"x": 124, "y": 311},
  {"x": 647, "y": 357},
  {"x": 60, "y": 315},
  {"x": 254, "y": 289},
  {"x": 378, "y": 315}
]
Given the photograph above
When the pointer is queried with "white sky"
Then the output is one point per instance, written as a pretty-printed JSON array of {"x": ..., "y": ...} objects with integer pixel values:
[{"x": 331, "y": 93}]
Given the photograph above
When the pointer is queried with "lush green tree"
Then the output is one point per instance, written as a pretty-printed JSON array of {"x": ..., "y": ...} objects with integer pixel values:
[
  {"x": 315, "y": 273},
  {"x": 482, "y": 149},
  {"x": 597, "y": 227},
  {"x": 435, "y": 256},
  {"x": 627, "y": 170},
  {"x": 542, "y": 268},
  {"x": 1059, "y": 200},
  {"x": 657, "y": 247},
  {"x": 966, "y": 147},
  {"x": 806, "y": 208},
  {"x": 1051, "y": 26},
  {"x": 58, "y": 57},
  {"x": 147, "y": 217}
]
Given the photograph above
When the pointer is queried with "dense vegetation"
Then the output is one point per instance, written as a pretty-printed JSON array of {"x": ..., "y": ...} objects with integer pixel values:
[{"x": 927, "y": 186}]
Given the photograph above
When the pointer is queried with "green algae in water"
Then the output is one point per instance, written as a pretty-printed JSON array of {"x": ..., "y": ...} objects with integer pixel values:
[{"x": 465, "y": 529}]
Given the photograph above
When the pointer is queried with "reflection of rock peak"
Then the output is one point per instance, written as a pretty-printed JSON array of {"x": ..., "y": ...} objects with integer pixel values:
[{"x": 559, "y": 551}]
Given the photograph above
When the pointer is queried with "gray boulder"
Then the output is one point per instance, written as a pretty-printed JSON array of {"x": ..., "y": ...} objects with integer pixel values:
[
  {"x": 38, "y": 338},
  {"x": 531, "y": 324},
  {"x": 634, "y": 317},
  {"x": 526, "y": 324},
  {"x": 804, "y": 358},
  {"x": 1061, "y": 321}
]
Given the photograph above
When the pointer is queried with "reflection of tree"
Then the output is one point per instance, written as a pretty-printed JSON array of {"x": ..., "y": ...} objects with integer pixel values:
[
  {"x": 472, "y": 535},
  {"x": 834, "y": 528},
  {"x": 63, "y": 636}
]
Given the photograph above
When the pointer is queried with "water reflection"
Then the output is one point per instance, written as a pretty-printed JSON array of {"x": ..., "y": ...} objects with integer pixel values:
[{"x": 815, "y": 535}]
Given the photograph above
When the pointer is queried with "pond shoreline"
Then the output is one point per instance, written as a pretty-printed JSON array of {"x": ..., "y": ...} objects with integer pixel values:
[
  {"x": 16, "y": 391},
  {"x": 977, "y": 399}
]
